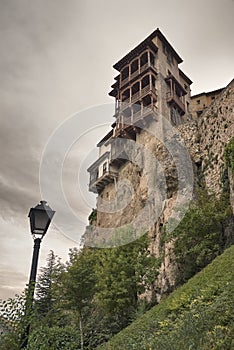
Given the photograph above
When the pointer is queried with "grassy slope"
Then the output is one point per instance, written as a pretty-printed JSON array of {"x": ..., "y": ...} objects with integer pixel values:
[{"x": 197, "y": 316}]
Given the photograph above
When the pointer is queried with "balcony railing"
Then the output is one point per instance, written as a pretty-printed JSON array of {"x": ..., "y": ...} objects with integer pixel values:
[
  {"x": 150, "y": 110},
  {"x": 124, "y": 121},
  {"x": 138, "y": 95},
  {"x": 97, "y": 184},
  {"x": 172, "y": 97},
  {"x": 137, "y": 72}
]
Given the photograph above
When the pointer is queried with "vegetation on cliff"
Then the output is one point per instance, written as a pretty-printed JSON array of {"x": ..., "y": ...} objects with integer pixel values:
[
  {"x": 229, "y": 155},
  {"x": 198, "y": 315},
  {"x": 204, "y": 233}
]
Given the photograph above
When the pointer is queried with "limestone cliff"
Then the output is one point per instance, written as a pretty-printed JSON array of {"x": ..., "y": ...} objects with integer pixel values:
[{"x": 205, "y": 140}]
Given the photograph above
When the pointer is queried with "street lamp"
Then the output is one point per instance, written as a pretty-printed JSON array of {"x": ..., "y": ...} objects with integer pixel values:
[{"x": 40, "y": 218}]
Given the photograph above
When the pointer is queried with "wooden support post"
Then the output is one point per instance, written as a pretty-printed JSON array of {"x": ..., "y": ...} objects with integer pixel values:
[{"x": 148, "y": 56}]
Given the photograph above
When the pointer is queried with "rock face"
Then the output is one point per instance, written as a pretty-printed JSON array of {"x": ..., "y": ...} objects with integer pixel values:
[
  {"x": 205, "y": 140},
  {"x": 207, "y": 137},
  {"x": 216, "y": 128}
]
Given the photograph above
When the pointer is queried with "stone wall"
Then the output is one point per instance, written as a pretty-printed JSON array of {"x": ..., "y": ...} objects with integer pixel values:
[
  {"x": 206, "y": 137},
  {"x": 216, "y": 128}
]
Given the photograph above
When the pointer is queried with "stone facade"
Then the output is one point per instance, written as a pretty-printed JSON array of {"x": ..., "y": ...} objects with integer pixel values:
[{"x": 201, "y": 101}]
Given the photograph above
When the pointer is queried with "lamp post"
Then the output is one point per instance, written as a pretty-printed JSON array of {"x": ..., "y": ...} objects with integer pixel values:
[{"x": 40, "y": 218}]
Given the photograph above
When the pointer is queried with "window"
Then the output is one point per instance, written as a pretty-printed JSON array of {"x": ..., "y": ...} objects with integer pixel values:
[
  {"x": 144, "y": 59},
  {"x": 175, "y": 116},
  {"x": 134, "y": 66},
  {"x": 198, "y": 102},
  {"x": 213, "y": 97},
  {"x": 170, "y": 58},
  {"x": 104, "y": 167},
  {"x": 169, "y": 54},
  {"x": 125, "y": 95},
  {"x": 125, "y": 73},
  {"x": 188, "y": 108}
]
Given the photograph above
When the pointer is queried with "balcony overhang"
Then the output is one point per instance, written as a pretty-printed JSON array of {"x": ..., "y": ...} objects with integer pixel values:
[
  {"x": 147, "y": 43},
  {"x": 98, "y": 185},
  {"x": 173, "y": 99},
  {"x": 98, "y": 161},
  {"x": 106, "y": 138},
  {"x": 177, "y": 84}
]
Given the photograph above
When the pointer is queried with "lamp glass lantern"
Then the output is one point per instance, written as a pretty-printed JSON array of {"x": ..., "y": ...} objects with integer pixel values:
[{"x": 40, "y": 219}]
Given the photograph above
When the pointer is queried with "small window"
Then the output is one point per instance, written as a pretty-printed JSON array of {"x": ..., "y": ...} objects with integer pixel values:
[
  {"x": 198, "y": 102},
  {"x": 188, "y": 108},
  {"x": 213, "y": 97},
  {"x": 104, "y": 167}
]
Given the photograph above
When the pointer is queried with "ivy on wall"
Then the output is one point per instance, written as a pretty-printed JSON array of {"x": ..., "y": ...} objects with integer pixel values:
[{"x": 229, "y": 155}]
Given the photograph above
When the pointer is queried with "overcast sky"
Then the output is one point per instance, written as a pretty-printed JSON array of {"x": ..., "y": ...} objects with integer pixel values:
[{"x": 56, "y": 59}]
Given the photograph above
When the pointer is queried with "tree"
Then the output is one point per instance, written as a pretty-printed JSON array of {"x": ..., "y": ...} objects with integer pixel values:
[
  {"x": 78, "y": 284},
  {"x": 13, "y": 321},
  {"x": 123, "y": 274},
  {"x": 200, "y": 236},
  {"x": 47, "y": 302}
]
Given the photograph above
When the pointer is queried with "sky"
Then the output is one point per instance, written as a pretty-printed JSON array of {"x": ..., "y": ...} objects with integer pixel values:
[{"x": 56, "y": 62}]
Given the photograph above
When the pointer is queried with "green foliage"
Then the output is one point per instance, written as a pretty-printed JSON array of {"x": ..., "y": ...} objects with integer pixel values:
[
  {"x": 44, "y": 302},
  {"x": 78, "y": 286},
  {"x": 78, "y": 282},
  {"x": 201, "y": 235},
  {"x": 12, "y": 321},
  {"x": 229, "y": 155},
  {"x": 54, "y": 338},
  {"x": 228, "y": 164},
  {"x": 101, "y": 286},
  {"x": 198, "y": 315},
  {"x": 84, "y": 303},
  {"x": 122, "y": 274},
  {"x": 93, "y": 216}
]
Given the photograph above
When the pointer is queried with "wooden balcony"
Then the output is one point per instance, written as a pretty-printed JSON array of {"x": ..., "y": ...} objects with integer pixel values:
[
  {"x": 173, "y": 98},
  {"x": 101, "y": 173},
  {"x": 97, "y": 184},
  {"x": 139, "y": 71},
  {"x": 130, "y": 124},
  {"x": 150, "y": 111},
  {"x": 139, "y": 95}
]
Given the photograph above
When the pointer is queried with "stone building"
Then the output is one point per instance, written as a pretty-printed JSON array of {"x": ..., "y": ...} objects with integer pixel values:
[
  {"x": 149, "y": 83},
  {"x": 203, "y": 100}
]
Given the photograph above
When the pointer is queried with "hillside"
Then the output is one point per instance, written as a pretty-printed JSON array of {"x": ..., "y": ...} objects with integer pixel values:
[{"x": 198, "y": 315}]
